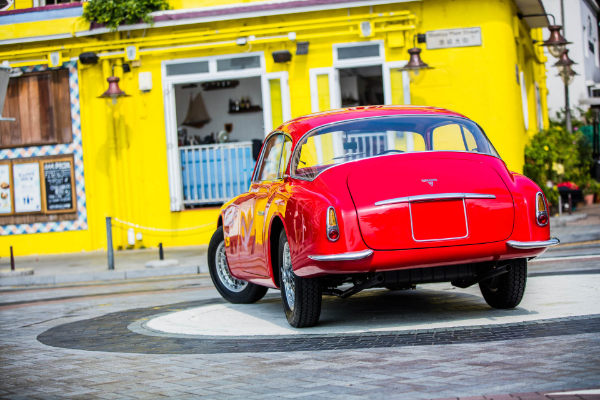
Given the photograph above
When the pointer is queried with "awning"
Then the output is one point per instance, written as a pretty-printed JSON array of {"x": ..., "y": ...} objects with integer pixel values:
[{"x": 531, "y": 7}]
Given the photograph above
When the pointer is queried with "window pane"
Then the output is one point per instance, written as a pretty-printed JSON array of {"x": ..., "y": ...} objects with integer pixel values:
[
  {"x": 287, "y": 152},
  {"x": 270, "y": 161},
  {"x": 345, "y": 53},
  {"x": 230, "y": 64},
  {"x": 453, "y": 137},
  {"x": 199, "y": 67}
]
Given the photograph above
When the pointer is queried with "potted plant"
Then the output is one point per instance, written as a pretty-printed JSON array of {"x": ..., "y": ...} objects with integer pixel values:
[
  {"x": 589, "y": 190},
  {"x": 113, "y": 13}
]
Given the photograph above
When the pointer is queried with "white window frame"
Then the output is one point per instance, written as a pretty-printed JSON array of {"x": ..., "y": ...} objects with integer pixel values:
[
  {"x": 524, "y": 100},
  {"x": 358, "y": 62},
  {"x": 168, "y": 86}
]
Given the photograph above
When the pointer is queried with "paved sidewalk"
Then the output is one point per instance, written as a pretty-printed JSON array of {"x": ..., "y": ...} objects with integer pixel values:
[
  {"x": 581, "y": 226},
  {"x": 93, "y": 266}
]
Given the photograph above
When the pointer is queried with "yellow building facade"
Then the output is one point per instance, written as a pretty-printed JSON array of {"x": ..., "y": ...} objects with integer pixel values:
[{"x": 146, "y": 161}]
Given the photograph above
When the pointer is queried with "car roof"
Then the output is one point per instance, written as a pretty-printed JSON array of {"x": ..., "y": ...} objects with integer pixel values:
[{"x": 297, "y": 127}]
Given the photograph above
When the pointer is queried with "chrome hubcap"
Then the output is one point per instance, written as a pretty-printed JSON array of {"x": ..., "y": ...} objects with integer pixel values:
[
  {"x": 231, "y": 283},
  {"x": 287, "y": 276}
]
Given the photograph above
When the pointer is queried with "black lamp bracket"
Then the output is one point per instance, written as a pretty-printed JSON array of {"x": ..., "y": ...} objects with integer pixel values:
[
  {"x": 521, "y": 16},
  {"x": 419, "y": 38},
  {"x": 125, "y": 66}
]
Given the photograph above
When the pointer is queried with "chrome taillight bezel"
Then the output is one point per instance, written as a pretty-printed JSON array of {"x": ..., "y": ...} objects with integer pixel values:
[
  {"x": 331, "y": 227},
  {"x": 539, "y": 212}
]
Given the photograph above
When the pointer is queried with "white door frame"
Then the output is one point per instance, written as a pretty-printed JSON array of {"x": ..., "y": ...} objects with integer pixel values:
[
  {"x": 335, "y": 97},
  {"x": 285, "y": 98},
  {"x": 387, "y": 82},
  {"x": 168, "y": 85}
]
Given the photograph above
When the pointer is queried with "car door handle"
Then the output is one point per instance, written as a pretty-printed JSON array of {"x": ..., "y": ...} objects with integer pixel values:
[{"x": 261, "y": 213}]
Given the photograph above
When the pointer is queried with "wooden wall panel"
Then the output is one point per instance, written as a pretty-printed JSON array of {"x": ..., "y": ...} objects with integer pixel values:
[
  {"x": 62, "y": 111},
  {"x": 40, "y": 103}
]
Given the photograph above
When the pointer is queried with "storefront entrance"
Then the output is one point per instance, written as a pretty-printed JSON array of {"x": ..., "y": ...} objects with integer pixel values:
[
  {"x": 360, "y": 76},
  {"x": 215, "y": 107}
]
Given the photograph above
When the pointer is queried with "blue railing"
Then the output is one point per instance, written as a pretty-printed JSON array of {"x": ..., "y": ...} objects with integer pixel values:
[{"x": 215, "y": 173}]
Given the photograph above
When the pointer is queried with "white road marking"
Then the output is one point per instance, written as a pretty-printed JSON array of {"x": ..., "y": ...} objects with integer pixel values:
[
  {"x": 574, "y": 393},
  {"x": 566, "y": 258}
]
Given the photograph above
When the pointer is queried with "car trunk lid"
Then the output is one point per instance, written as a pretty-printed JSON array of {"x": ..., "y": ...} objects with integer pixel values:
[{"x": 406, "y": 202}]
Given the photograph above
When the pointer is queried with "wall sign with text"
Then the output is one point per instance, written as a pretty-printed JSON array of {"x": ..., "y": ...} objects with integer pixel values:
[
  {"x": 448, "y": 38},
  {"x": 28, "y": 191}
]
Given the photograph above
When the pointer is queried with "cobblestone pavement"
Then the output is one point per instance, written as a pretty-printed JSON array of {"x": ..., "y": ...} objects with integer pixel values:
[{"x": 526, "y": 360}]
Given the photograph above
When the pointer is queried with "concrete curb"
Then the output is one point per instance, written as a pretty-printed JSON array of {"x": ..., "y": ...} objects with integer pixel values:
[{"x": 102, "y": 276}]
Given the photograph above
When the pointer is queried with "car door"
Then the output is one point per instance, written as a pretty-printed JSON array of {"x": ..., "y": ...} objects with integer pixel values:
[{"x": 267, "y": 178}]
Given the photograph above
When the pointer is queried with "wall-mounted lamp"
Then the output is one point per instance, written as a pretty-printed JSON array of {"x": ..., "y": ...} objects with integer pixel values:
[
  {"x": 88, "y": 58},
  {"x": 114, "y": 91},
  {"x": 556, "y": 43},
  {"x": 282, "y": 56},
  {"x": 301, "y": 48},
  {"x": 415, "y": 63}
]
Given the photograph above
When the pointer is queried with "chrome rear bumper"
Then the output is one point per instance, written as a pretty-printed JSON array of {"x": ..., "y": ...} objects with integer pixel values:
[
  {"x": 356, "y": 255},
  {"x": 533, "y": 245}
]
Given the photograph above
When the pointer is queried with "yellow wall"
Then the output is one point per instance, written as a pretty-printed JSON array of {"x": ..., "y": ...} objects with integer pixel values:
[{"x": 125, "y": 148}]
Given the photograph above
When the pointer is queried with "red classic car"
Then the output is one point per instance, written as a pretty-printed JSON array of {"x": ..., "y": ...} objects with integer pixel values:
[{"x": 380, "y": 196}]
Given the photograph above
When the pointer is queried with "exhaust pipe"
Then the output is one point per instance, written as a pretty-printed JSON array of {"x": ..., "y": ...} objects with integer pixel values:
[
  {"x": 490, "y": 274},
  {"x": 369, "y": 283}
]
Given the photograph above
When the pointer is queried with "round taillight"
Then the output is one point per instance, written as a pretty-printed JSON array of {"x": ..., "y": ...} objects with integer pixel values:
[
  {"x": 542, "y": 218},
  {"x": 333, "y": 234}
]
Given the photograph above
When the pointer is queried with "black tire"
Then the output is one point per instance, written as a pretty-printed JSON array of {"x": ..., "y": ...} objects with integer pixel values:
[
  {"x": 506, "y": 290},
  {"x": 307, "y": 293},
  {"x": 249, "y": 294}
]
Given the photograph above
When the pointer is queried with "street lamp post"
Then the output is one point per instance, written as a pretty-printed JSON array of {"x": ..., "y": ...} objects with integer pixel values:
[{"x": 567, "y": 77}]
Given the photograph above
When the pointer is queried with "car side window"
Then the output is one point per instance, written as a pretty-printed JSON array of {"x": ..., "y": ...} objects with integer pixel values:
[
  {"x": 285, "y": 157},
  {"x": 269, "y": 163},
  {"x": 453, "y": 137}
]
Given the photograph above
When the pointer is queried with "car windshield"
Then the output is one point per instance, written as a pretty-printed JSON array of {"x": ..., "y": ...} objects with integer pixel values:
[{"x": 363, "y": 138}]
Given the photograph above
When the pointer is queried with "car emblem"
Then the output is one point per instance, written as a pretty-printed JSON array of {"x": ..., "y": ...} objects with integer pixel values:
[{"x": 430, "y": 181}]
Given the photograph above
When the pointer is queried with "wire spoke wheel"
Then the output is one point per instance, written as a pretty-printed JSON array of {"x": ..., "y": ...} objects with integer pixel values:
[
  {"x": 288, "y": 277},
  {"x": 231, "y": 283}
]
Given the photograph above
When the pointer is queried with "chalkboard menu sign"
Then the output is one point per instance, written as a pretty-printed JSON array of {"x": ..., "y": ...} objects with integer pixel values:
[{"x": 58, "y": 185}]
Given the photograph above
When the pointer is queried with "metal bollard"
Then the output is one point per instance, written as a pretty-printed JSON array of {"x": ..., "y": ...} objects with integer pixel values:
[
  {"x": 12, "y": 260},
  {"x": 109, "y": 244},
  {"x": 161, "y": 253},
  {"x": 570, "y": 205}
]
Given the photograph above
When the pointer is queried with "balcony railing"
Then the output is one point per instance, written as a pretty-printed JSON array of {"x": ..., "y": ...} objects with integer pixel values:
[{"x": 215, "y": 173}]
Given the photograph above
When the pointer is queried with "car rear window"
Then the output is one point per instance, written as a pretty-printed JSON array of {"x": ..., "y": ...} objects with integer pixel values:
[{"x": 356, "y": 139}]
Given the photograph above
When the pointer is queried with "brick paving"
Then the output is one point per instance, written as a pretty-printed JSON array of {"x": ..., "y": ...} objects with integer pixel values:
[{"x": 525, "y": 366}]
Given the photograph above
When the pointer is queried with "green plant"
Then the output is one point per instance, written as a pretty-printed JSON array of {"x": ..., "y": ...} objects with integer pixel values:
[
  {"x": 554, "y": 155},
  {"x": 113, "y": 13}
]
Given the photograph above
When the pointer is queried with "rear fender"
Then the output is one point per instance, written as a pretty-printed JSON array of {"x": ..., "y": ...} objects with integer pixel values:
[{"x": 526, "y": 228}]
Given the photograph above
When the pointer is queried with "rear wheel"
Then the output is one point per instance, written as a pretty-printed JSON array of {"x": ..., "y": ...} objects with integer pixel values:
[
  {"x": 301, "y": 296},
  {"x": 232, "y": 289},
  {"x": 506, "y": 290}
]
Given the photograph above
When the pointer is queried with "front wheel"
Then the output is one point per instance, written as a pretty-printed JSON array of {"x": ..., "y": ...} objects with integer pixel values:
[
  {"x": 506, "y": 290},
  {"x": 233, "y": 290},
  {"x": 301, "y": 296}
]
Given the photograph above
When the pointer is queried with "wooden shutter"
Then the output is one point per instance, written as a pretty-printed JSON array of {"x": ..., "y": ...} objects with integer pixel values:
[{"x": 41, "y": 107}]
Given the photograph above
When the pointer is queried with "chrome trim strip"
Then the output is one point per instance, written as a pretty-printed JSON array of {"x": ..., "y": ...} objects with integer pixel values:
[
  {"x": 533, "y": 245},
  {"x": 439, "y": 196},
  {"x": 356, "y": 255}
]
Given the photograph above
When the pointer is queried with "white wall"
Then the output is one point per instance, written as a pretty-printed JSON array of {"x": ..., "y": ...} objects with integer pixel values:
[
  {"x": 576, "y": 31},
  {"x": 246, "y": 126}
]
